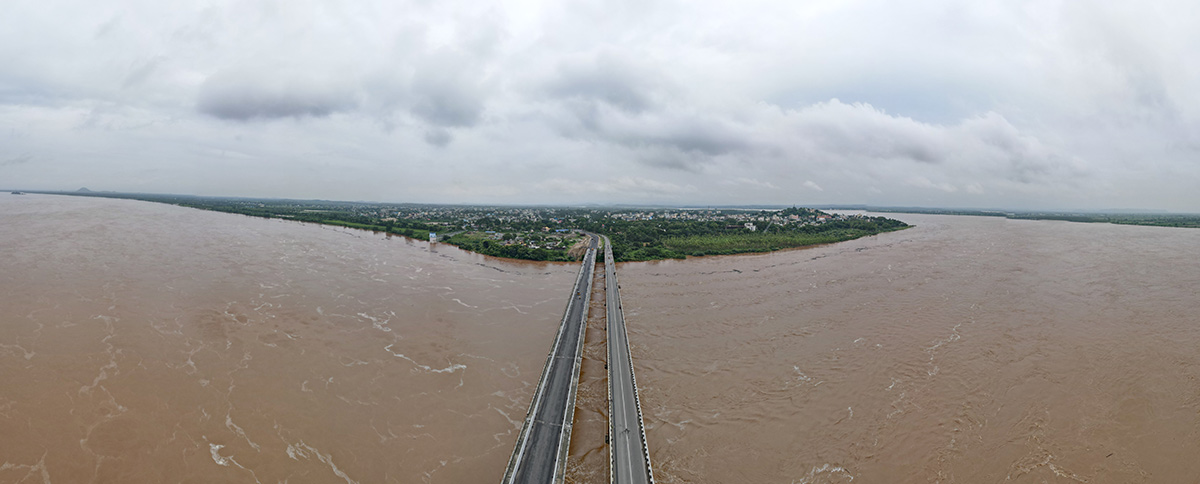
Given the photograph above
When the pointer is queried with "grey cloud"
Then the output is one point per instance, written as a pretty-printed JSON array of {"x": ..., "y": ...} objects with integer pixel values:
[
  {"x": 438, "y": 137},
  {"x": 448, "y": 104},
  {"x": 17, "y": 160},
  {"x": 681, "y": 144},
  {"x": 606, "y": 79},
  {"x": 448, "y": 89},
  {"x": 139, "y": 71},
  {"x": 998, "y": 103},
  {"x": 678, "y": 143},
  {"x": 106, "y": 27},
  {"x": 442, "y": 88},
  {"x": 864, "y": 131},
  {"x": 1005, "y": 151},
  {"x": 656, "y": 135},
  {"x": 868, "y": 138},
  {"x": 624, "y": 185},
  {"x": 242, "y": 96}
]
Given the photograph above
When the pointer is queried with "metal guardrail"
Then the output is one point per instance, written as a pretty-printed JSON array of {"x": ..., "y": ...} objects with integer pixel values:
[
  {"x": 580, "y": 299},
  {"x": 626, "y": 466}
]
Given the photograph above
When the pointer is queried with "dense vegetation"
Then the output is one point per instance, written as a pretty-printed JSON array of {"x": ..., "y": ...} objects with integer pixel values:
[
  {"x": 1129, "y": 218},
  {"x": 499, "y": 248},
  {"x": 343, "y": 214},
  {"x": 668, "y": 239},
  {"x": 1158, "y": 220},
  {"x": 541, "y": 233}
]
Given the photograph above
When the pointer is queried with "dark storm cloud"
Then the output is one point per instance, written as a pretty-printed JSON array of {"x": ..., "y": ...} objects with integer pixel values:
[{"x": 243, "y": 97}]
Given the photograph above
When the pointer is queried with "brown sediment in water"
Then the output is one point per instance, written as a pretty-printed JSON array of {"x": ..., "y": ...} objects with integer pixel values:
[
  {"x": 142, "y": 342},
  {"x": 587, "y": 460},
  {"x": 962, "y": 350},
  {"x": 150, "y": 343}
]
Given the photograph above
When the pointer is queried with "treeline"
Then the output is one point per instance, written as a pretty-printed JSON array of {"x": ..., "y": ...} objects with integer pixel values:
[
  {"x": 513, "y": 251},
  {"x": 633, "y": 240},
  {"x": 327, "y": 213},
  {"x": 1149, "y": 219},
  {"x": 1157, "y": 220},
  {"x": 344, "y": 218},
  {"x": 676, "y": 239}
]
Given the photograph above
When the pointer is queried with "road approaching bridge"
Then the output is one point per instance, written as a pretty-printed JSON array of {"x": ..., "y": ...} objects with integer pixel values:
[
  {"x": 629, "y": 457},
  {"x": 540, "y": 456}
]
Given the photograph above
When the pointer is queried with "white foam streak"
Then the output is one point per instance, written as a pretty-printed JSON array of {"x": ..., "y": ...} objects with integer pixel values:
[
  {"x": 449, "y": 369},
  {"x": 827, "y": 469},
  {"x": 39, "y": 468},
  {"x": 241, "y": 433},
  {"x": 301, "y": 449},
  {"x": 216, "y": 455}
]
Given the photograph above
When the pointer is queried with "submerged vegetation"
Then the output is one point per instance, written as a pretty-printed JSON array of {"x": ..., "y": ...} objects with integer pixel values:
[{"x": 553, "y": 234}]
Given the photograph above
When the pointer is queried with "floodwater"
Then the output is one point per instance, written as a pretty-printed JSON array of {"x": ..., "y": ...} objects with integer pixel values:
[
  {"x": 965, "y": 349},
  {"x": 147, "y": 343}
]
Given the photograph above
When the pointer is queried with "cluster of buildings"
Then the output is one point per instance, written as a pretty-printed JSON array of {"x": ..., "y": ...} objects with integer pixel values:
[
  {"x": 555, "y": 220},
  {"x": 748, "y": 219}
]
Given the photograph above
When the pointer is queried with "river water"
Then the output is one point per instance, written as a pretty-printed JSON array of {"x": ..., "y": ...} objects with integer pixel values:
[
  {"x": 147, "y": 343},
  {"x": 965, "y": 349}
]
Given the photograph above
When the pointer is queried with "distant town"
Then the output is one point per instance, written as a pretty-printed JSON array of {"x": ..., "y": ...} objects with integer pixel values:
[{"x": 554, "y": 233}]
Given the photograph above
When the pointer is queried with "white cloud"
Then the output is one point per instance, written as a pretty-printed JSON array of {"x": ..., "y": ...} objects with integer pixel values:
[
  {"x": 922, "y": 182},
  {"x": 750, "y": 182},
  {"x": 992, "y": 103}
]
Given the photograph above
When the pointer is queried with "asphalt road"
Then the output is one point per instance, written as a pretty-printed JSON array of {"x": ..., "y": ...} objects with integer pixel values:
[
  {"x": 630, "y": 462},
  {"x": 540, "y": 453}
]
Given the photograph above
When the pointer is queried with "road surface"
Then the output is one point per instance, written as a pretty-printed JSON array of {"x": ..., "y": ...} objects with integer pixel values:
[
  {"x": 630, "y": 458},
  {"x": 540, "y": 455}
]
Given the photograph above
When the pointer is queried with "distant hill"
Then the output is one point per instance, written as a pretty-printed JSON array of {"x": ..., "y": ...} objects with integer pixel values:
[{"x": 84, "y": 190}]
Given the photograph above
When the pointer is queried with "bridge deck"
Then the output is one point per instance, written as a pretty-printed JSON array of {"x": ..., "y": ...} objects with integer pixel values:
[
  {"x": 630, "y": 457},
  {"x": 540, "y": 455}
]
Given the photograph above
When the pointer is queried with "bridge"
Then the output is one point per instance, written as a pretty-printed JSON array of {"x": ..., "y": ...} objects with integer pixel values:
[
  {"x": 540, "y": 455},
  {"x": 629, "y": 457}
]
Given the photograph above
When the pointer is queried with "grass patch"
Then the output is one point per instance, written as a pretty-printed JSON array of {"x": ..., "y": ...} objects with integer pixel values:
[{"x": 757, "y": 242}]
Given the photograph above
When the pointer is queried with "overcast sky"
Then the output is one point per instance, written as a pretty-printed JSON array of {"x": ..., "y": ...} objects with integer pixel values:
[{"x": 1009, "y": 103}]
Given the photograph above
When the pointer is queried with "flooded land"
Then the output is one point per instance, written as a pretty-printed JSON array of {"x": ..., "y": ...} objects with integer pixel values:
[
  {"x": 146, "y": 343},
  {"x": 962, "y": 350}
]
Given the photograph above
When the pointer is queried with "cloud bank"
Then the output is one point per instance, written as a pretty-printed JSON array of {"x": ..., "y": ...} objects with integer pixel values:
[{"x": 990, "y": 104}]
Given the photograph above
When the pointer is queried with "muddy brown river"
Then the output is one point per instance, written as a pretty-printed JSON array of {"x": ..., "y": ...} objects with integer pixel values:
[
  {"x": 146, "y": 343},
  {"x": 963, "y": 350}
]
